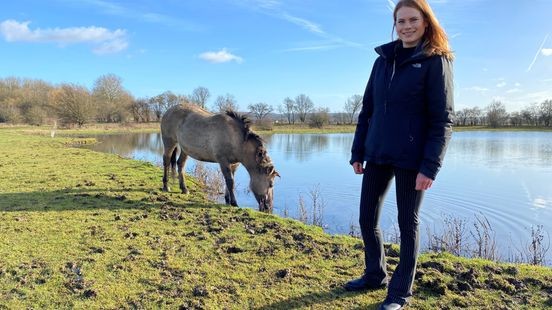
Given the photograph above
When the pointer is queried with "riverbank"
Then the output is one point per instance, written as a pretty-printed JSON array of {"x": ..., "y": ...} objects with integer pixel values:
[
  {"x": 81, "y": 229},
  {"x": 275, "y": 129}
]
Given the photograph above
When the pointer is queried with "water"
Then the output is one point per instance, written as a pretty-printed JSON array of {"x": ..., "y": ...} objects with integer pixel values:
[{"x": 503, "y": 176}]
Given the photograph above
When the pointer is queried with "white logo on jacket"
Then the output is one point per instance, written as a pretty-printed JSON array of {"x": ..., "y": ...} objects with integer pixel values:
[{"x": 417, "y": 65}]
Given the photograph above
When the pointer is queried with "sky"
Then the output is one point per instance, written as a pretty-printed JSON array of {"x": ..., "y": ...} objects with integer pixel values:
[{"x": 267, "y": 50}]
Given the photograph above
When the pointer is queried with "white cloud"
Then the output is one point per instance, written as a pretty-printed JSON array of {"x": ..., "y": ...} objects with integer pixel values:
[
  {"x": 477, "y": 89},
  {"x": 501, "y": 84},
  {"x": 541, "y": 202},
  {"x": 513, "y": 90},
  {"x": 107, "y": 41},
  {"x": 546, "y": 51},
  {"x": 111, "y": 47},
  {"x": 110, "y": 8},
  {"x": 220, "y": 57},
  {"x": 313, "y": 48},
  {"x": 267, "y": 4}
]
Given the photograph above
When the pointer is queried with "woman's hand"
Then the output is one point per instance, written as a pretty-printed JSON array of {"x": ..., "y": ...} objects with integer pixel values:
[
  {"x": 422, "y": 182},
  {"x": 357, "y": 167}
]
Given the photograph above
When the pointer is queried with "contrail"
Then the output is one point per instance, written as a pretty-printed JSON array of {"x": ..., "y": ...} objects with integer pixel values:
[
  {"x": 537, "y": 54},
  {"x": 391, "y": 5}
]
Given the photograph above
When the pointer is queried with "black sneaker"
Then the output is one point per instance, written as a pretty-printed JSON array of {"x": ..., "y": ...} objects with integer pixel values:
[{"x": 364, "y": 284}]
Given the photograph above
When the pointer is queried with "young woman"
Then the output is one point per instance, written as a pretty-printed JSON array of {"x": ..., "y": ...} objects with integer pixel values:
[{"x": 402, "y": 132}]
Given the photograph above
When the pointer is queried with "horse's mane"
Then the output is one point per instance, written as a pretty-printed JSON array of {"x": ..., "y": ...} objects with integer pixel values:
[{"x": 248, "y": 134}]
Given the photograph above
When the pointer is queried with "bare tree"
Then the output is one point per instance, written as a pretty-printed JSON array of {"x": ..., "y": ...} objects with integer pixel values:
[
  {"x": 226, "y": 103},
  {"x": 546, "y": 112},
  {"x": 288, "y": 110},
  {"x": 260, "y": 110},
  {"x": 140, "y": 110},
  {"x": 303, "y": 106},
  {"x": 352, "y": 106},
  {"x": 199, "y": 96},
  {"x": 461, "y": 117},
  {"x": 530, "y": 114},
  {"x": 496, "y": 114},
  {"x": 162, "y": 102},
  {"x": 73, "y": 104},
  {"x": 475, "y": 116},
  {"x": 111, "y": 99}
]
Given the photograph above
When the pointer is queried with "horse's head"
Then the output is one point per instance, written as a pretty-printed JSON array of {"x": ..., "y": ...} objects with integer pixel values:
[{"x": 262, "y": 180}]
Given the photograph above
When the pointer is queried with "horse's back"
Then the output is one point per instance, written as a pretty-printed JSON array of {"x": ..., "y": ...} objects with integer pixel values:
[
  {"x": 175, "y": 116},
  {"x": 201, "y": 134}
]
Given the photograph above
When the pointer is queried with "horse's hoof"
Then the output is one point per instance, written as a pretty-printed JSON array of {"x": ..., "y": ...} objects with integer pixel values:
[
  {"x": 185, "y": 191},
  {"x": 166, "y": 189}
]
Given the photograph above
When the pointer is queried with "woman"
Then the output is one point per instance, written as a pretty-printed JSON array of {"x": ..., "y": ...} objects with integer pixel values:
[{"x": 403, "y": 130}]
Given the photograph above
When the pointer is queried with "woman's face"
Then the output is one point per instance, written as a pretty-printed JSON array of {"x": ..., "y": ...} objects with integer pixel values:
[{"x": 410, "y": 26}]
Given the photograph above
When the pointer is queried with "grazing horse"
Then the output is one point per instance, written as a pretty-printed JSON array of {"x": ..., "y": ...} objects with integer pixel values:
[{"x": 225, "y": 139}]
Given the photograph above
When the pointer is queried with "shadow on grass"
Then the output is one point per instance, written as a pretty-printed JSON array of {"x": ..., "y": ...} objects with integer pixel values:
[
  {"x": 94, "y": 198},
  {"x": 317, "y": 298}
]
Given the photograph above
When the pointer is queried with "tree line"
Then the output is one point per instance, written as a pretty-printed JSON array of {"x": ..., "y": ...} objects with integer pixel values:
[
  {"x": 37, "y": 102},
  {"x": 495, "y": 115}
]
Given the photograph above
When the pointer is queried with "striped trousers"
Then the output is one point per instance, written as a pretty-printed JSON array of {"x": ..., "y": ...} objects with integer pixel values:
[{"x": 375, "y": 183}]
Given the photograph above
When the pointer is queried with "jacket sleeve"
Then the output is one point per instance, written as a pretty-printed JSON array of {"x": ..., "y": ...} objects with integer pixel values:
[
  {"x": 357, "y": 150},
  {"x": 440, "y": 109}
]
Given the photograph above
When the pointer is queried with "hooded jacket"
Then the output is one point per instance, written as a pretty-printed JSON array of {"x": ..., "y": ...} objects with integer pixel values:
[{"x": 406, "y": 115}]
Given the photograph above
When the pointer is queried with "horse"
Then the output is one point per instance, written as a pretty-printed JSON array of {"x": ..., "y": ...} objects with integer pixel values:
[{"x": 224, "y": 138}]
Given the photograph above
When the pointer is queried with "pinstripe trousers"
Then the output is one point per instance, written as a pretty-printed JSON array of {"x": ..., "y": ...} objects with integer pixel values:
[{"x": 375, "y": 183}]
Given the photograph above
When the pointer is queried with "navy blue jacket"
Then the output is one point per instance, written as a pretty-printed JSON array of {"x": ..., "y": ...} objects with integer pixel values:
[{"x": 406, "y": 116}]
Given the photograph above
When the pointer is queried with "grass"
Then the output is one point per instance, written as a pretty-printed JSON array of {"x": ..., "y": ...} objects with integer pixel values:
[{"x": 87, "y": 230}]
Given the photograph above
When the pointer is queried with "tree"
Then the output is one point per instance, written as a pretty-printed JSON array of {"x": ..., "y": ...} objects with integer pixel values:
[
  {"x": 288, "y": 110},
  {"x": 199, "y": 96},
  {"x": 162, "y": 102},
  {"x": 475, "y": 115},
  {"x": 140, "y": 110},
  {"x": 111, "y": 99},
  {"x": 516, "y": 119},
  {"x": 226, "y": 103},
  {"x": 545, "y": 110},
  {"x": 303, "y": 106},
  {"x": 320, "y": 117},
  {"x": 260, "y": 110},
  {"x": 352, "y": 106},
  {"x": 72, "y": 103},
  {"x": 530, "y": 114},
  {"x": 496, "y": 114},
  {"x": 461, "y": 117}
]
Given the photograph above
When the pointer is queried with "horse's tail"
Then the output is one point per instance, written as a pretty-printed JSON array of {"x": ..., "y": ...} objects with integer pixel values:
[{"x": 173, "y": 158}]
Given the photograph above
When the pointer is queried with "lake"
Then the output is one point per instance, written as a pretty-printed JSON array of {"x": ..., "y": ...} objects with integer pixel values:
[{"x": 503, "y": 176}]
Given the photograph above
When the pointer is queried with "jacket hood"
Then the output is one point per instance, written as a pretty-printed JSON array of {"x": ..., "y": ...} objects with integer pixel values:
[{"x": 388, "y": 51}]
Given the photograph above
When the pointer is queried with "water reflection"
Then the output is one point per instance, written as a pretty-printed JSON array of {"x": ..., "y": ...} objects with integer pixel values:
[
  {"x": 299, "y": 147},
  {"x": 505, "y": 176}
]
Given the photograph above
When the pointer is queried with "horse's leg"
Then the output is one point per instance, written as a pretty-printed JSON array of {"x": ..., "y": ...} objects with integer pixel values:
[
  {"x": 181, "y": 163},
  {"x": 167, "y": 155},
  {"x": 228, "y": 174},
  {"x": 173, "y": 161}
]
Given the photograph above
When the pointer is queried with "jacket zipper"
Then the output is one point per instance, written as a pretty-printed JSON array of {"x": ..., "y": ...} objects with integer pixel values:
[{"x": 389, "y": 86}]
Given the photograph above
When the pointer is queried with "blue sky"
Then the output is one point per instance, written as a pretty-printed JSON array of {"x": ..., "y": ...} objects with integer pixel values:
[{"x": 266, "y": 50}]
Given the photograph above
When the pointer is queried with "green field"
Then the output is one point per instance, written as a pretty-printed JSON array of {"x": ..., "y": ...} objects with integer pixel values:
[{"x": 87, "y": 230}]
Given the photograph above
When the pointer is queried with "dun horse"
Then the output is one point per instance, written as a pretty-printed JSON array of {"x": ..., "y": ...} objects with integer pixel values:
[{"x": 225, "y": 139}]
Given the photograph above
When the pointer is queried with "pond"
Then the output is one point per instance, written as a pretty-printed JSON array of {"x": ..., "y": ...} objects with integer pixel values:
[{"x": 505, "y": 177}]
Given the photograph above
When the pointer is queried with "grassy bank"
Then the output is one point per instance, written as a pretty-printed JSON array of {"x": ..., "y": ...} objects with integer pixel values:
[
  {"x": 275, "y": 129},
  {"x": 80, "y": 229}
]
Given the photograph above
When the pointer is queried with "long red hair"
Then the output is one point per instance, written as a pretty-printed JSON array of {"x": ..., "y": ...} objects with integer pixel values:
[{"x": 435, "y": 38}]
